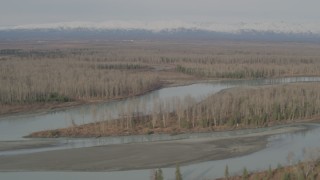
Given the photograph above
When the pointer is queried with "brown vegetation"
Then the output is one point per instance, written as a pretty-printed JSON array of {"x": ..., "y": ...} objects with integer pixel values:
[
  {"x": 73, "y": 71},
  {"x": 254, "y": 66},
  {"x": 232, "y": 108},
  {"x": 65, "y": 79},
  {"x": 308, "y": 170},
  {"x": 259, "y": 106},
  {"x": 251, "y": 61}
]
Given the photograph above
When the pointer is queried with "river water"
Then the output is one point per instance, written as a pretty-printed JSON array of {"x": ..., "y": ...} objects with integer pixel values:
[
  {"x": 13, "y": 128},
  {"x": 276, "y": 152}
]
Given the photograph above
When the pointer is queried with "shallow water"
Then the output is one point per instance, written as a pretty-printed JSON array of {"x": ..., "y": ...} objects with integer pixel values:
[
  {"x": 275, "y": 153},
  {"x": 70, "y": 143}
]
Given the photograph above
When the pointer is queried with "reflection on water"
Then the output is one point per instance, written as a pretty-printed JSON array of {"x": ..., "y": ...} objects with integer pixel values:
[
  {"x": 275, "y": 153},
  {"x": 14, "y": 127}
]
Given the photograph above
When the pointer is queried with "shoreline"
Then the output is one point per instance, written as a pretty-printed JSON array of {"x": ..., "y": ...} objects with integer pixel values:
[
  {"x": 144, "y": 155},
  {"x": 35, "y": 108},
  {"x": 76, "y": 131},
  {"x": 141, "y": 156},
  {"x": 25, "y": 109}
]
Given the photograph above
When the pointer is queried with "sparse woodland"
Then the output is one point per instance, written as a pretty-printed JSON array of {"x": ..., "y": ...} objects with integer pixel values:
[
  {"x": 121, "y": 69},
  {"x": 253, "y": 63},
  {"x": 111, "y": 70},
  {"x": 233, "y": 108},
  {"x": 42, "y": 78},
  {"x": 251, "y": 67},
  {"x": 65, "y": 72},
  {"x": 260, "y": 105}
]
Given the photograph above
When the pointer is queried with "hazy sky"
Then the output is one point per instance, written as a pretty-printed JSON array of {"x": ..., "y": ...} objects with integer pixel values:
[{"x": 21, "y": 12}]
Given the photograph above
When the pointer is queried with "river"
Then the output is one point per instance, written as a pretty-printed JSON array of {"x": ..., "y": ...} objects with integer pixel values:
[{"x": 13, "y": 128}]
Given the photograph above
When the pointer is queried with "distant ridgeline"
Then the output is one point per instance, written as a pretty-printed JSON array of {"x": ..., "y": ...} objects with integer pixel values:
[{"x": 142, "y": 34}]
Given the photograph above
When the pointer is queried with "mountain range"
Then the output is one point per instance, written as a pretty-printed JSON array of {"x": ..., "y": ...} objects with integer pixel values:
[{"x": 120, "y": 30}]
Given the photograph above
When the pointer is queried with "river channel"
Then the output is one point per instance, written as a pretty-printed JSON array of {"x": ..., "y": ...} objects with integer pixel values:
[{"x": 13, "y": 128}]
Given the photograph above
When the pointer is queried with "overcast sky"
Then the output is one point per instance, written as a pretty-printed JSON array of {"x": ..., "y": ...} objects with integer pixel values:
[{"x": 22, "y": 12}]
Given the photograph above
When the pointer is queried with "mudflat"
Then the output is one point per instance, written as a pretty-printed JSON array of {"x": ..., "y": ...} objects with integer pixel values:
[
  {"x": 32, "y": 144},
  {"x": 140, "y": 155},
  {"x": 131, "y": 156}
]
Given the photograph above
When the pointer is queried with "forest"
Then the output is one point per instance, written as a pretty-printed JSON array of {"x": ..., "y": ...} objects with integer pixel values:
[
  {"x": 73, "y": 72},
  {"x": 88, "y": 72}
]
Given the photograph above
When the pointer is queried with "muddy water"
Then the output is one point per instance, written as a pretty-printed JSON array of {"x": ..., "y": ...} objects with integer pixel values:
[{"x": 15, "y": 127}]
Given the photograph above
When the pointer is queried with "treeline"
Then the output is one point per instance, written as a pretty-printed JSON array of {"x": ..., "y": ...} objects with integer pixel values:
[
  {"x": 214, "y": 62},
  {"x": 122, "y": 66},
  {"x": 35, "y": 53},
  {"x": 64, "y": 79},
  {"x": 63, "y": 72},
  {"x": 255, "y": 67},
  {"x": 244, "y": 106},
  {"x": 232, "y": 108},
  {"x": 221, "y": 59},
  {"x": 255, "y": 106}
]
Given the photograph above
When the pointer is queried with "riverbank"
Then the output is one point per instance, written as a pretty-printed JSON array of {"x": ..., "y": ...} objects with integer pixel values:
[
  {"x": 168, "y": 78},
  {"x": 143, "y": 155},
  {"x": 92, "y": 130},
  {"x": 23, "y": 144},
  {"x": 235, "y": 108},
  {"x": 16, "y": 109}
]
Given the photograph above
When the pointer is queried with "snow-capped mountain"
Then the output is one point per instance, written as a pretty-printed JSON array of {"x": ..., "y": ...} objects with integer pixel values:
[{"x": 164, "y": 29}]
